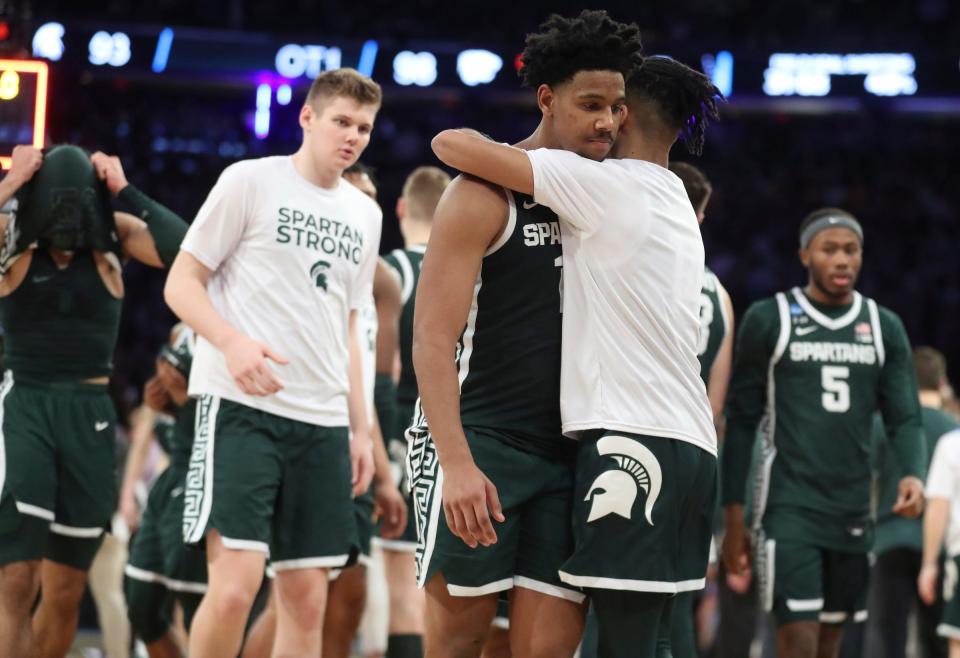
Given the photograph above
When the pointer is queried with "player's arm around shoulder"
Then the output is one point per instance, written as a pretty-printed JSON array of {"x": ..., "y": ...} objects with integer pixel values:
[
  {"x": 473, "y": 153},
  {"x": 470, "y": 217}
]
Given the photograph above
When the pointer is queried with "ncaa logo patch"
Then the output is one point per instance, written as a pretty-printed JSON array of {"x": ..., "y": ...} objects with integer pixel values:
[{"x": 863, "y": 332}]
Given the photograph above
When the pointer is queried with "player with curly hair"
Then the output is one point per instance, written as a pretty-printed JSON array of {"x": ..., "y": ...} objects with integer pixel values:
[
  {"x": 493, "y": 449},
  {"x": 631, "y": 394}
]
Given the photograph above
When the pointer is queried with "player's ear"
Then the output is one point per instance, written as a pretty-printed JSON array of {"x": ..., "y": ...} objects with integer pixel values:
[
  {"x": 401, "y": 209},
  {"x": 306, "y": 116},
  {"x": 546, "y": 99},
  {"x": 805, "y": 257}
]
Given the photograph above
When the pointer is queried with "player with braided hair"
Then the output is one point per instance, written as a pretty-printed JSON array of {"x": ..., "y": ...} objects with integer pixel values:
[
  {"x": 494, "y": 449},
  {"x": 630, "y": 385}
]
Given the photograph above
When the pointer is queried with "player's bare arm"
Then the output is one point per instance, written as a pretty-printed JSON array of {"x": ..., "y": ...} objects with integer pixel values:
[
  {"x": 469, "y": 218},
  {"x": 186, "y": 294},
  {"x": 154, "y": 243},
  {"x": 934, "y": 525},
  {"x": 470, "y": 152},
  {"x": 25, "y": 162},
  {"x": 361, "y": 447}
]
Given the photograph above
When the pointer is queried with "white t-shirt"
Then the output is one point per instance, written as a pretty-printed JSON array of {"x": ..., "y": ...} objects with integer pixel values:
[
  {"x": 943, "y": 481},
  {"x": 632, "y": 273},
  {"x": 289, "y": 260},
  {"x": 366, "y": 327}
]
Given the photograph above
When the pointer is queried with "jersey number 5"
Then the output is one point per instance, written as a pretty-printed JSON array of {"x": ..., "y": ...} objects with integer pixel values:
[{"x": 836, "y": 388}]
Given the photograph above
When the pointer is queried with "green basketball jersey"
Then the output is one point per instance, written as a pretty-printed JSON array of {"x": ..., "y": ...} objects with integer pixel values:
[
  {"x": 818, "y": 373},
  {"x": 60, "y": 324},
  {"x": 714, "y": 323},
  {"x": 893, "y": 530},
  {"x": 508, "y": 356},
  {"x": 407, "y": 263}
]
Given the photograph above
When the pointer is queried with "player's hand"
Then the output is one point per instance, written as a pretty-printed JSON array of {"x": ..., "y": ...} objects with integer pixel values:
[
  {"x": 24, "y": 163},
  {"x": 927, "y": 583},
  {"x": 110, "y": 171},
  {"x": 909, "y": 498},
  {"x": 361, "y": 463},
  {"x": 736, "y": 543},
  {"x": 389, "y": 505},
  {"x": 173, "y": 382},
  {"x": 247, "y": 362},
  {"x": 469, "y": 502},
  {"x": 154, "y": 395}
]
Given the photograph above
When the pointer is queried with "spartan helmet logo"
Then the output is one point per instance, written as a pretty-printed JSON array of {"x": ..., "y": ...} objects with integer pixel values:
[
  {"x": 615, "y": 491},
  {"x": 318, "y": 272}
]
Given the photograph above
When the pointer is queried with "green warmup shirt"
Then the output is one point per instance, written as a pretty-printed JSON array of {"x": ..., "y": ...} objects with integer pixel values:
[
  {"x": 60, "y": 324},
  {"x": 810, "y": 377},
  {"x": 714, "y": 323},
  {"x": 407, "y": 263},
  {"x": 508, "y": 356},
  {"x": 893, "y": 530}
]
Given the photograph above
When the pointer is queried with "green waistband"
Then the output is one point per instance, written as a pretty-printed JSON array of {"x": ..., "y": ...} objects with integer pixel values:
[{"x": 59, "y": 386}]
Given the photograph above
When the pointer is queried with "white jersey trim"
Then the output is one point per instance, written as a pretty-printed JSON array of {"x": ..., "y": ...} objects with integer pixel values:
[
  {"x": 489, "y": 588},
  {"x": 245, "y": 545},
  {"x": 877, "y": 331},
  {"x": 627, "y": 584},
  {"x": 5, "y": 389},
  {"x": 34, "y": 510},
  {"x": 804, "y": 605},
  {"x": 948, "y": 631},
  {"x": 79, "y": 533},
  {"x": 431, "y": 530},
  {"x": 395, "y": 545},
  {"x": 549, "y": 589},
  {"x": 511, "y": 224},
  {"x": 821, "y": 319},
  {"x": 324, "y": 562}
]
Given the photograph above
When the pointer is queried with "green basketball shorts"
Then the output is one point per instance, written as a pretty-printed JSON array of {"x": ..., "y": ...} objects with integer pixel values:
[
  {"x": 57, "y": 459},
  {"x": 643, "y": 514},
  {"x": 271, "y": 484},
  {"x": 158, "y": 554},
  {"x": 800, "y": 581},
  {"x": 536, "y": 538},
  {"x": 950, "y": 623}
]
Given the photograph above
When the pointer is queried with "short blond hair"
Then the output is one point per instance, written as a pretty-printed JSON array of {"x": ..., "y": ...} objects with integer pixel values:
[
  {"x": 343, "y": 83},
  {"x": 422, "y": 191}
]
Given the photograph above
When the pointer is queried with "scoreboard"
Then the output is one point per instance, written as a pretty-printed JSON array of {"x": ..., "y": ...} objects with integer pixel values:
[{"x": 23, "y": 105}]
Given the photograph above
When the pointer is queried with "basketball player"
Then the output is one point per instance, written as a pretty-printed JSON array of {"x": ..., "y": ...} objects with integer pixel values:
[
  {"x": 415, "y": 209},
  {"x": 60, "y": 299},
  {"x": 942, "y": 520},
  {"x": 812, "y": 365},
  {"x": 715, "y": 351},
  {"x": 493, "y": 450},
  {"x": 631, "y": 388},
  {"x": 161, "y": 569},
  {"x": 899, "y": 542},
  {"x": 277, "y": 262}
]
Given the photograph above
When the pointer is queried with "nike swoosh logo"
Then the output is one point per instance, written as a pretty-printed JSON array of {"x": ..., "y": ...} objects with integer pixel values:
[
  {"x": 803, "y": 331},
  {"x": 176, "y": 492},
  {"x": 101, "y": 426},
  {"x": 41, "y": 279},
  {"x": 527, "y": 205}
]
